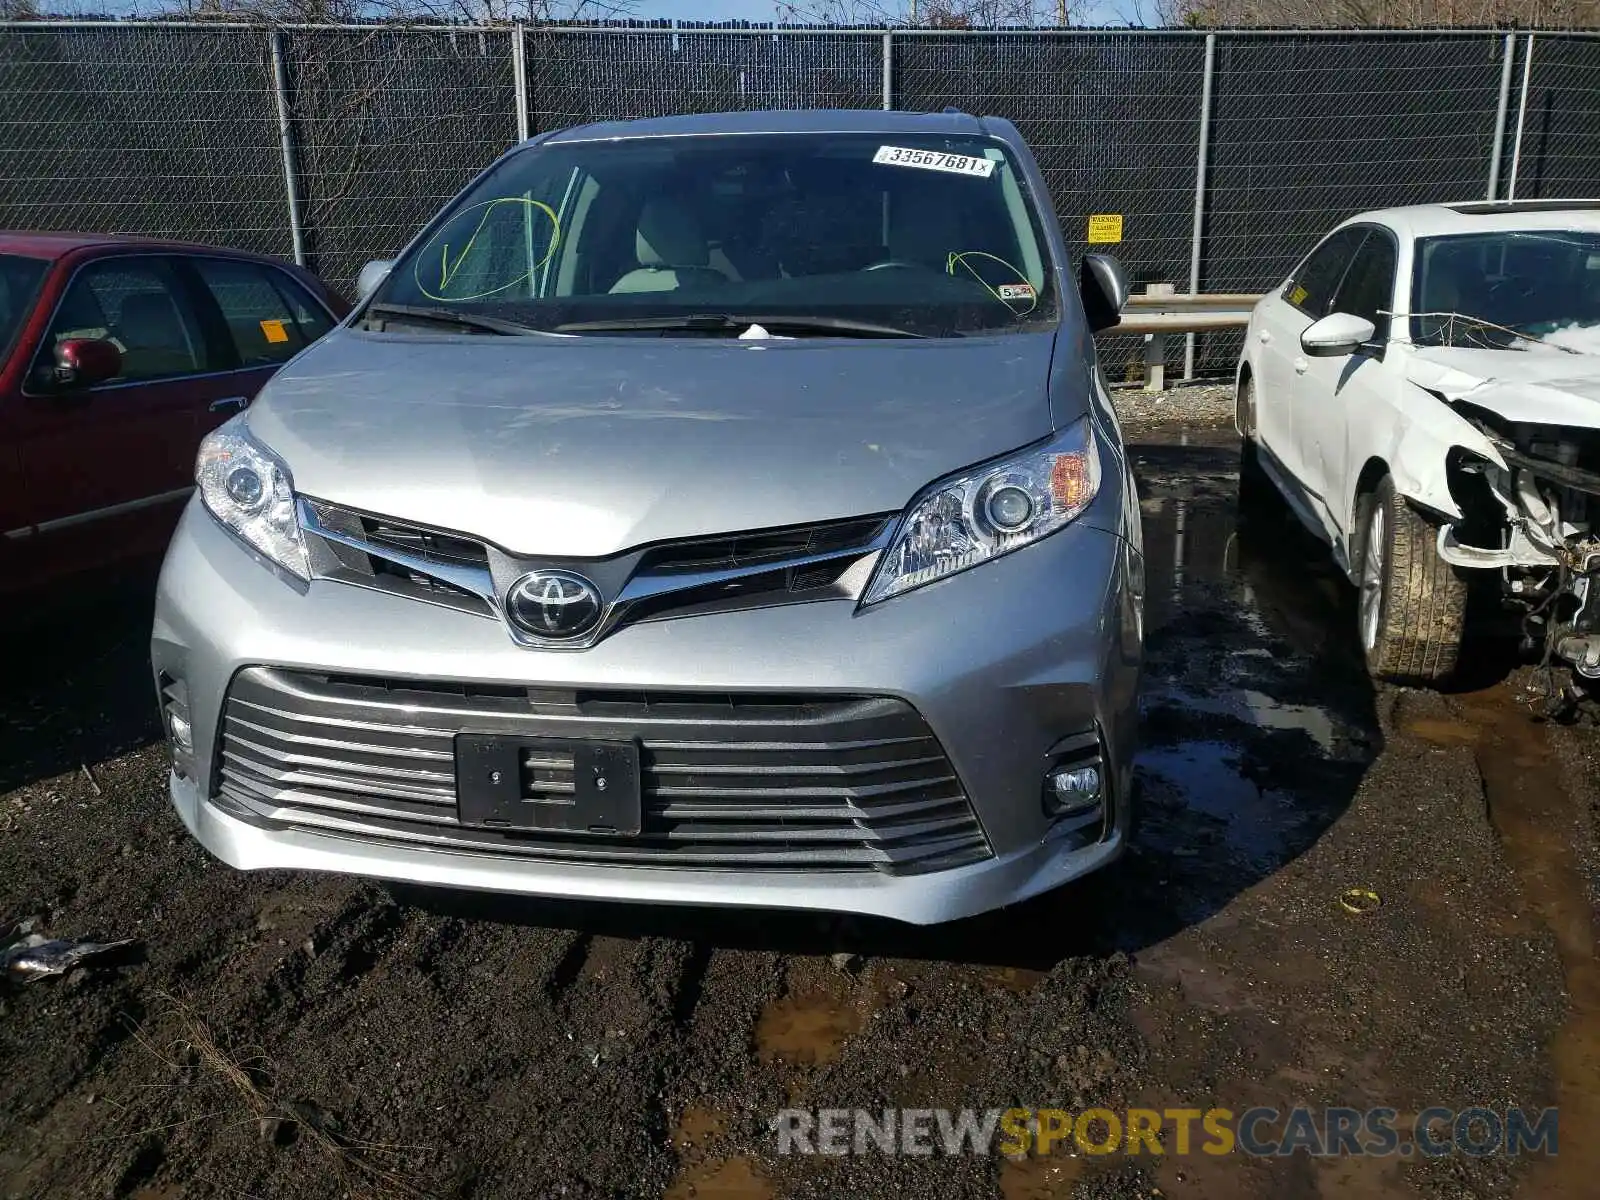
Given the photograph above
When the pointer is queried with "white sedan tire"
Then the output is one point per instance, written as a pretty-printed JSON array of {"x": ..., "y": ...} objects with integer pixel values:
[{"x": 1412, "y": 610}]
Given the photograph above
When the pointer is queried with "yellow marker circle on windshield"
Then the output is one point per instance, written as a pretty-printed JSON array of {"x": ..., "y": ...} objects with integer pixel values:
[
  {"x": 961, "y": 258},
  {"x": 435, "y": 284}
]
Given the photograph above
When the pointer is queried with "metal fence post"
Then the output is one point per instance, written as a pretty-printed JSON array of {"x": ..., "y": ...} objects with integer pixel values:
[
  {"x": 291, "y": 181},
  {"x": 519, "y": 76},
  {"x": 1522, "y": 118},
  {"x": 1508, "y": 53},
  {"x": 1201, "y": 158},
  {"x": 888, "y": 69}
]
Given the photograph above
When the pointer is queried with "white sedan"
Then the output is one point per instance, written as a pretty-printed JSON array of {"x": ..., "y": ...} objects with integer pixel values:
[{"x": 1424, "y": 392}]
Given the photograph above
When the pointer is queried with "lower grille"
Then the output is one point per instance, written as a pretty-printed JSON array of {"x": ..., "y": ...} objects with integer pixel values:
[{"x": 769, "y": 782}]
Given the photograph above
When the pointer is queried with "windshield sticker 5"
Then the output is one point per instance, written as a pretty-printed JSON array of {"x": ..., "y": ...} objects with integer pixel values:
[
  {"x": 934, "y": 160},
  {"x": 466, "y": 258},
  {"x": 1104, "y": 228},
  {"x": 979, "y": 263},
  {"x": 274, "y": 331}
]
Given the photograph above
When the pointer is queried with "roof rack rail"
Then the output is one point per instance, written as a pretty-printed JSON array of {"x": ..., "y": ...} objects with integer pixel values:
[{"x": 1484, "y": 207}]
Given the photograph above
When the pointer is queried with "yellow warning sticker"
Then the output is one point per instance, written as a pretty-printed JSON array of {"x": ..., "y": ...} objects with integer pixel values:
[
  {"x": 1298, "y": 294},
  {"x": 274, "y": 331},
  {"x": 1105, "y": 227}
]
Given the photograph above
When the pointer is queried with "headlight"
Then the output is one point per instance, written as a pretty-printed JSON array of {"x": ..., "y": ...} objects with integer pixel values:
[
  {"x": 981, "y": 514},
  {"x": 248, "y": 489}
]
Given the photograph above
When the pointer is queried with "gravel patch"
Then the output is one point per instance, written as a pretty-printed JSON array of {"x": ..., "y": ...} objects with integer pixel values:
[{"x": 1197, "y": 405}]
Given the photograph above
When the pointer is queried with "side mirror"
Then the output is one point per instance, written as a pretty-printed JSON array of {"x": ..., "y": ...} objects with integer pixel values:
[
  {"x": 1103, "y": 284},
  {"x": 1337, "y": 335},
  {"x": 84, "y": 362},
  {"x": 374, "y": 273}
]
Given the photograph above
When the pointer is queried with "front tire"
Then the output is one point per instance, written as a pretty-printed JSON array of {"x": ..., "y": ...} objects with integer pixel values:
[{"x": 1411, "y": 615}]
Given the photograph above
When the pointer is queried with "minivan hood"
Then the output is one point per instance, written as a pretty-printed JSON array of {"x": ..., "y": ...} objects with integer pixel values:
[
  {"x": 1541, "y": 385},
  {"x": 582, "y": 447}
]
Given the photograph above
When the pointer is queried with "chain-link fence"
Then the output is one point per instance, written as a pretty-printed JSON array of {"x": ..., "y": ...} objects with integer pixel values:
[
  {"x": 386, "y": 126},
  {"x": 1561, "y": 126},
  {"x": 1113, "y": 119},
  {"x": 162, "y": 131},
  {"x": 1224, "y": 154},
  {"x": 594, "y": 75}
]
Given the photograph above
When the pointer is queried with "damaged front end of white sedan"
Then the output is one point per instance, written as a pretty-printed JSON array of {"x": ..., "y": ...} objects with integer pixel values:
[{"x": 1528, "y": 494}]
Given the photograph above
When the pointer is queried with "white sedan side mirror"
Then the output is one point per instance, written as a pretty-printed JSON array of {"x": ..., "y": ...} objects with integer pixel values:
[
  {"x": 1336, "y": 335},
  {"x": 374, "y": 273}
]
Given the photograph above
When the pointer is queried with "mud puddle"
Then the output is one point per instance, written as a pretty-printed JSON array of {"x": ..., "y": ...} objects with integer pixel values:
[
  {"x": 808, "y": 1029},
  {"x": 1270, "y": 788},
  {"x": 1252, "y": 681},
  {"x": 704, "y": 1174},
  {"x": 1536, "y": 820},
  {"x": 726, "y": 1179},
  {"x": 1053, "y": 1177}
]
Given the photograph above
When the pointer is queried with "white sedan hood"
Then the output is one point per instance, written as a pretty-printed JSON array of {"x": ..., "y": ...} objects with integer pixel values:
[{"x": 1540, "y": 385}]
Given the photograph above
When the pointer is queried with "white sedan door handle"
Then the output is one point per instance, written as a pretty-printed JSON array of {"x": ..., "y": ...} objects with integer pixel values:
[{"x": 1301, "y": 366}]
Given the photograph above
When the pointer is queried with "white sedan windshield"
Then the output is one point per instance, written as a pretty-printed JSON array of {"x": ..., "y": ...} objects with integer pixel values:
[{"x": 1502, "y": 290}]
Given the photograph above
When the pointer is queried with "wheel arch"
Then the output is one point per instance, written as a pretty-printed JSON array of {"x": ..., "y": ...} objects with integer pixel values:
[
  {"x": 1367, "y": 479},
  {"x": 1374, "y": 469},
  {"x": 1244, "y": 422}
]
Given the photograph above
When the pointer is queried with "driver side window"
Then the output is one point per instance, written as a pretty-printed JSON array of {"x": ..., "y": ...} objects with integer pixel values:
[
  {"x": 1368, "y": 287},
  {"x": 1311, "y": 289}
]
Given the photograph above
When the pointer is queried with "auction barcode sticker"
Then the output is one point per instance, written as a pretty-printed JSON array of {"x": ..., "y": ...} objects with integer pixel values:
[{"x": 935, "y": 160}]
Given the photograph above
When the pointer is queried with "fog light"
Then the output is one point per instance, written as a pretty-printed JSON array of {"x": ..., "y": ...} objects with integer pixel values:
[
  {"x": 182, "y": 738},
  {"x": 1074, "y": 790},
  {"x": 175, "y": 715}
]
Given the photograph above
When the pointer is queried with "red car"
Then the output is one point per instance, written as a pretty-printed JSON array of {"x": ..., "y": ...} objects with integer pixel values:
[{"x": 117, "y": 355}]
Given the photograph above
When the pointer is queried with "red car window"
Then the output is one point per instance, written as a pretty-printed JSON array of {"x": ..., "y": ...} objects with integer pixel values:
[
  {"x": 137, "y": 305},
  {"x": 268, "y": 315}
]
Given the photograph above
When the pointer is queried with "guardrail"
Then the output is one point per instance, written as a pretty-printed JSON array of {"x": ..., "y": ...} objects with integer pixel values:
[{"x": 1160, "y": 311}]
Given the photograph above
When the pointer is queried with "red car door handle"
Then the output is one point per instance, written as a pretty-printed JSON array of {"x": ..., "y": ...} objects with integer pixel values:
[{"x": 230, "y": 402}]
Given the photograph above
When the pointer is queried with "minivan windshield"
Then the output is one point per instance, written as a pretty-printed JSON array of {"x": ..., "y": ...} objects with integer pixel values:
[
  {"x": 19, "y": 283},
  {"x": 826, "y": 234},
  {"x": 1509, "y": 290}
]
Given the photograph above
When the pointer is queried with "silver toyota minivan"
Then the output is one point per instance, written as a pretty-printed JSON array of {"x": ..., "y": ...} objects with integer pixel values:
[{"x": 720, "y": 510}]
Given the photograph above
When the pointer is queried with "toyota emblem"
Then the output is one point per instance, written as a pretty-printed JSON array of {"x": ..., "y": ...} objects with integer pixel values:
[{"x": 555, "y": 605}]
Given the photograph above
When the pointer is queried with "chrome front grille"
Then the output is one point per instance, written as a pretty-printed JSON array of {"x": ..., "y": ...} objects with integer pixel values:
[
  {"x": 424, "y": 564},
  {"x": 791, "y": 565},
  {"x": 773, "y": 547},
  {"x": 729, "y": 781}
]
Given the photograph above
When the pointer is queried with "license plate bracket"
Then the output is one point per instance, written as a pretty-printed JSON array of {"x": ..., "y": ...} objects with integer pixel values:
[{"x": 497, "y": 789}]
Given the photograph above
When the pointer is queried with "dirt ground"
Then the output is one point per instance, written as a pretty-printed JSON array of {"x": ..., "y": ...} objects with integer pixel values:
[{"x": 287, "y": 1037}]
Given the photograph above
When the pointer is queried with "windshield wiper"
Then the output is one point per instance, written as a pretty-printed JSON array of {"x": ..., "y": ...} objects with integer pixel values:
[
  {"x": 729, "y": 323},
  {"x": 445, "y": 316}
]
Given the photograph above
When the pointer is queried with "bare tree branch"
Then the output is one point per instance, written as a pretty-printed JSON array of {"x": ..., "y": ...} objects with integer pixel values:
[
  {"x": 1366, "y": 14},
  {"x": 932, "y": 14}
]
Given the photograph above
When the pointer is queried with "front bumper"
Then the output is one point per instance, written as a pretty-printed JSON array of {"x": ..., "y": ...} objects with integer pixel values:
[{"x": 1002, "y": 663}]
